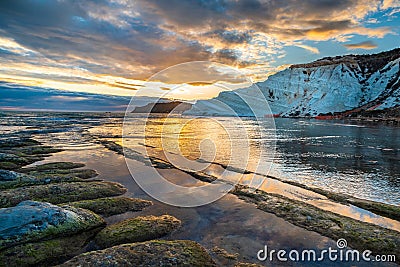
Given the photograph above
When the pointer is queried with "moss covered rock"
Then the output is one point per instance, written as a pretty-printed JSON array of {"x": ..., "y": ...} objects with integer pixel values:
[
  {"x": 9, "y": 176},
  {"x": 152, "y": 253},
  {"x": 382, "y": 209},
  {"x": 8, "y": 157},
  {"x": 6, "y": 165},
  {"x": 137, "y": 229},
  {"x": 33, "y": 221},
  {"x": 60, "y": 192},
  {"x": 38, "y": 150},
  {"x": 59, "y": 171},
  {"x": 359, "y": 235},
  {"x": 55, "y": 166},
  {"x": 15, "y": 158},
  {"x": 10, "y": 179},
  {"x": 9, "y": 161},
  {"x": 112, "y": 206},
  {"x": 46, "y": 252},
  {"x": 18, "y": 142},
  {"x": 80, "y": 173}
]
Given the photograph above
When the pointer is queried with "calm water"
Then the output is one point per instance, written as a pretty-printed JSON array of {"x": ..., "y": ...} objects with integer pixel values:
[
  {"x": 363, "y": 161},
  {"x": 359, "y": 160}
]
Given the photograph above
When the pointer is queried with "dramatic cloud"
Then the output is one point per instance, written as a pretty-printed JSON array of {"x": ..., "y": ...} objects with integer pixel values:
[
  {"x": 111, "y": 46},
  {"x": 362, "y": 45},
  {"x": 32, "y": 98}
]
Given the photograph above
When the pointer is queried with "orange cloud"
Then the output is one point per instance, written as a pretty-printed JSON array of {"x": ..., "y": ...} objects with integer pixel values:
[{"x": 112, "y": 46}]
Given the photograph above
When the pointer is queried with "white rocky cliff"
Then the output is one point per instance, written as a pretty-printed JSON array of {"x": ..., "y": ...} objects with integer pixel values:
[{"x": 339, "y": 84}]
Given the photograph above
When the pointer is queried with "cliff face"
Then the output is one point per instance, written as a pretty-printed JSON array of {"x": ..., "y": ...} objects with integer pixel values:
[{"x": 341, "y": 84}]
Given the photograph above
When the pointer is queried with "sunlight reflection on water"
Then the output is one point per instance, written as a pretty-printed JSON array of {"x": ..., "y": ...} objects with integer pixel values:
[{"x": 356, "y": 160}]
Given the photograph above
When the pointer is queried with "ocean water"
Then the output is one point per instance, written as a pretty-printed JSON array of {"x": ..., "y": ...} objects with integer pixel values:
[{"x": 359, "y": 160}]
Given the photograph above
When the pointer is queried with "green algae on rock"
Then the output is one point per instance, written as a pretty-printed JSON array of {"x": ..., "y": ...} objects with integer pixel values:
[
  {"x": 223, "y": 257},
  {"x": 11, "y": 179},
  {"x": 15, "y": 153},
  {"x": 37, "y": 150},
  {"x": 383, "y": 209},
  {"x": 61, "y": 192},
  {"x": 46, "y": 252},
  {"x": 60, "y": 171},
  {"x": 112, "y": 206},
  {"x": 359, "y": 235},
  {"x": 32, "y": 221},
  {"x": 6, "y": 165},
  {"x": 10, "y": 176},
  {"x": 151, "y": 253},
  {"x": 55, "y": 166},
  {"x": 9, "y": 161},
  {"x": 9, "y": 157},
  {"x": 79, "y": 173},
  {"x": 20, "y": 142},
  {"x": 139, "y": 229}
]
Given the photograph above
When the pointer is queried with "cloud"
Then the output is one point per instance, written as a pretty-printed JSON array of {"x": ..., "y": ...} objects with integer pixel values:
[
  {"x": 363, "y": 45},
  {"x": 93, "y": 45},
  {"x": 313, "y": 50},
  {"x": 13, "y": 47},
  {"x": 386, "y": 4},
  {"x": 68, "y": 98},
  {"x": 15, "y": 97}
]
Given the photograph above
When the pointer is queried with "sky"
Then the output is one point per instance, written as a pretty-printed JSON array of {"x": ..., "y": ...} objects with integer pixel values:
[{"x": 113, "y": 47}]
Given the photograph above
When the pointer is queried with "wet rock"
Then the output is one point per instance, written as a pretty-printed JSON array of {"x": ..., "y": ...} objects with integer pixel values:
[
  {"x": 33, "y": 221},
  {"x": 13, "y": 143},
  {"x": 382, "y": 209},
  {"x": 55, "y": 166},
  {"x": 152, "y": 253},
  {"x": 9, "y": 179},
  {"x": 29, "y": 180},
  {"x": 85, "y": 174},
  {"x": 386, "y": 210},
  {"x": 7, "y": 157},
  {"x": 359, "y": 235},
  {"x": 6, "y": 176},
  {"x": 38, "y": 150},
  {"x": 112, "y": 206},
  {"x": 112, "y": 146},
  {"x": 137, "y": 229},
  {"x": 222, "y": 252},
  {"x": 81, "y": 173},
  {"x": 10, "y": 161},
  {"x": 61, "y": 192},
  {"x": 8, "y": 165},
  {"x": 46, "y": 252},
  {"x": 223, "y": 257}
]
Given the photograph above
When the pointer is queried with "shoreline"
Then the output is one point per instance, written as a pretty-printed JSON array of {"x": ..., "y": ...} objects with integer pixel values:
[
  {"x": 380, "y": 208},
  {"x": 360, "y": 234},
  {"x": 219, "y": 227},
  {"x": 120, "y": 114},
  {"x": 221, "y": 256}
]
